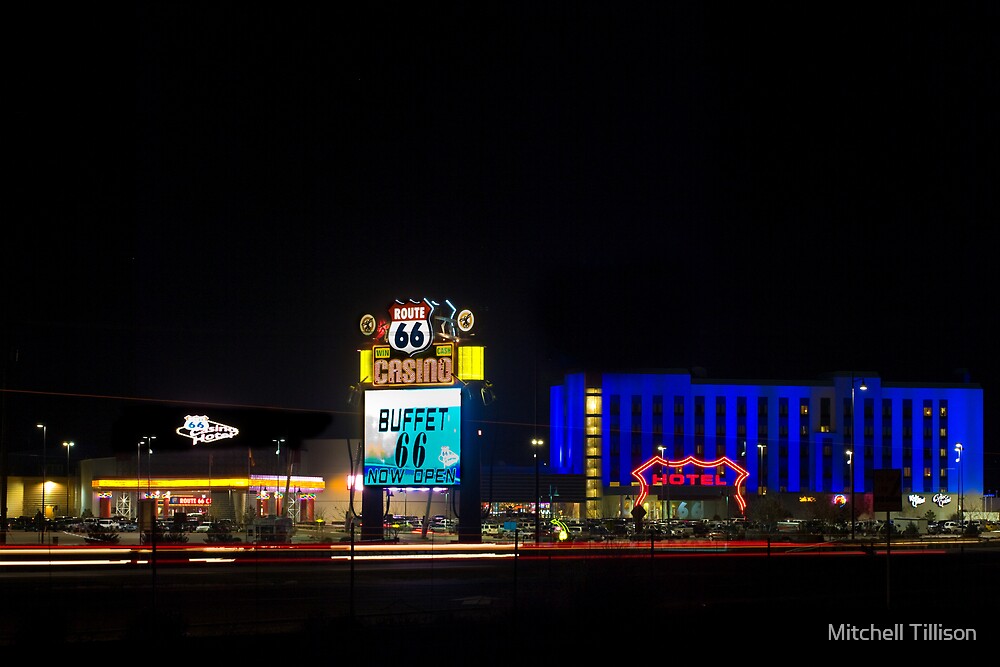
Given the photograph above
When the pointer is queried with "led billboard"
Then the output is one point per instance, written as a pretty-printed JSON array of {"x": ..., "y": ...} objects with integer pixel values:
[{"x": 413, "y": 437}]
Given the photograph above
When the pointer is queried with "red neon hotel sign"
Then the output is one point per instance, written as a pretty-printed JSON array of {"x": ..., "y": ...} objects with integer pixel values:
[{"x": 691, "y": 479}]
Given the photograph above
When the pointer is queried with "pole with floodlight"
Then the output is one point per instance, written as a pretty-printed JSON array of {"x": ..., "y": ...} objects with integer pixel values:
[
  {"x": 536, "y": 444},
  {"x": 961, "y": 491},
  {"x": 862, "y": 387},
  {"x": 41, "y": 528},
  {"x": 67, "y": 444}
]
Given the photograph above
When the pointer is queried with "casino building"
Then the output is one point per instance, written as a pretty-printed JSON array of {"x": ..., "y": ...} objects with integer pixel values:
[{"x": 688, "y": 447}]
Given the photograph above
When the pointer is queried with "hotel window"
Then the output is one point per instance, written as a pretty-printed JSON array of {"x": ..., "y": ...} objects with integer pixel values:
[
  {"x": 679, "y": 405},
  {"x": 927, "y": 472},
  {"x": 804, "y": 408},
  {"x": 699, "y": 406},
  {"x": 741, "y": 430},
  {"x": 804, "y": 430},
  {"x": 699, "y": 449},
  {"x": 720, "y": 405},
  {"x": 762, "y": 406},
  {"x": 943, "y": 432},
  {"x": 741, "y": 406},
  {"x": 927, "y": 411},
  {"x": 907, "y": 472},
  {"x": 782, "y": 407},
  {"x": 944, "y": 410}
]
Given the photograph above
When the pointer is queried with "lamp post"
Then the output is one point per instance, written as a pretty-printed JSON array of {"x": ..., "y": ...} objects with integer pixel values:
[
  {"x": 67, "y": 445},
  {"x": 537, "y": 443},
  {"x": 761, "y": 475},
  {"x": 149, "y": 461},
  {"x": 862, "y": 387},
  {"x": 277, "y": 452},
  {"x": 850, "y": 464},
  {"x": 961, "y": 491},
  {"x": 44, "y": 437},
  {"x": 665, "y": 482}
]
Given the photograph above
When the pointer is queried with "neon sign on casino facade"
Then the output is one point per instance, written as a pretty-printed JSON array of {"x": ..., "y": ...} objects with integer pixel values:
[{"x": 691, "y": 479}]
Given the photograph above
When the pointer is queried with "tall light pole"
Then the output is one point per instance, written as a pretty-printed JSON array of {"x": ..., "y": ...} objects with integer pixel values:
[
  {"x": 277, "y": 452},
  {"x": 536, "y": 444},
  {"x": 44, "y": 437},
  {"x": 149, "y": 461},
  {"x": 761, "y": 474},
  {"x": 961, "y": 491},
  {"x": 863, "y": 387},
  {"x": 138, "y": 470},
  {"x": 850, "y": 464},
  {"x": 67, "y": 445},
  {"x": 665, "y": 482}
]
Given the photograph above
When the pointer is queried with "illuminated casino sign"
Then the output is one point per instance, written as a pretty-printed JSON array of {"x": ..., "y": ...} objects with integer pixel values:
[
  {"x": 416, "y": 345},
  {"x": 200, "y": 429},
  {"x": 413, "y": 437},
  {"x": 714, "y": 478}
]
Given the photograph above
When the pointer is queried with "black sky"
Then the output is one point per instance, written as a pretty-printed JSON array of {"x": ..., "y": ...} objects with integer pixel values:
[{"x": 214, "y": 195}]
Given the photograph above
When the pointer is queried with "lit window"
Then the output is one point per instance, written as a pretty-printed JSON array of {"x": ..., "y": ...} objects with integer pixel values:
[
  {"x": 944, "y": 410},
  {"x": 927, "y": 472},
  {"x": 927, "y": 411},
  {"x": 944, "y": 431},
  {"x": 804, "y": 410}
]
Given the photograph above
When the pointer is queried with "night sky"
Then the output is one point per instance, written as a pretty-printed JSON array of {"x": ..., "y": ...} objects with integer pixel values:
[{"x": 212, "y": 197}]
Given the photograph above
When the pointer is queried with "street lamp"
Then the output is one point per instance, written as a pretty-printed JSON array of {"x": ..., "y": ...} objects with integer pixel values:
[
  {"x": 761, "y": 475},
  {"x": 44, "y": 434},
  {"x": 67, "y": 445},
  {"x": 537, "y": 443},
  {"x": 277, "y": 452},
  {"x": 149, "y": 461},
  {"x": 862, "y": 387},
  {"x": 961, "y": 491},
  {"x": 850, "y": 464},
  {"x": 147, "y": 440},
  {"x": 664, "y": 482}
]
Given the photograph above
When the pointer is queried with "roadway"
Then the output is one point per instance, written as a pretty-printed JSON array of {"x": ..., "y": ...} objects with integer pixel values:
[{"x": 475, "y": 594}]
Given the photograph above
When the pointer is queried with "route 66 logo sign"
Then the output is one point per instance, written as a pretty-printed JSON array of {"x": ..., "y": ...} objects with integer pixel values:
[{"x": 410, "y": 331}]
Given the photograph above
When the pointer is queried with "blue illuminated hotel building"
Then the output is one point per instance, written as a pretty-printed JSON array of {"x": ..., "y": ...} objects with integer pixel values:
[{"x": 801, "y": 440}]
